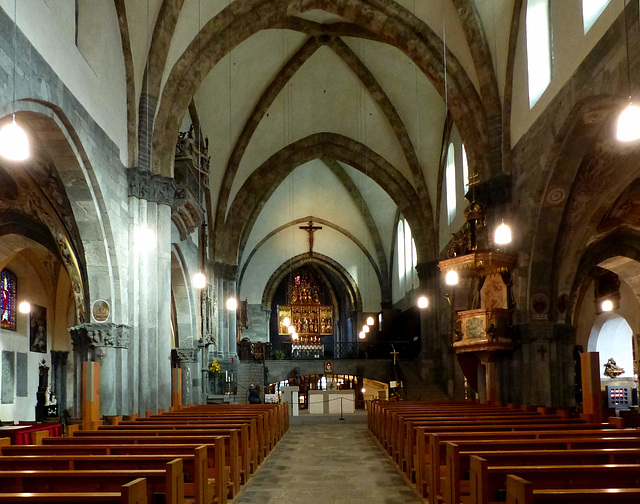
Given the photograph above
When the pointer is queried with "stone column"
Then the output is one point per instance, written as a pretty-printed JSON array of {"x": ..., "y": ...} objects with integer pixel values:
[
  {"x": 187, "y": 360},
  {"x": 59, "y": 360},
  {"x": 108, "y": 344},
  {"x": 225, "y": 276},
  {"x": 150, "y": 199},
  {"x": 543, "y": 360},
  {"x": 429, "y": 276}
]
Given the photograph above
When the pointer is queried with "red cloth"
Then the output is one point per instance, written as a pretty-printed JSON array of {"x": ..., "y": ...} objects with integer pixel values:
[{"x": 22, "y": 434}]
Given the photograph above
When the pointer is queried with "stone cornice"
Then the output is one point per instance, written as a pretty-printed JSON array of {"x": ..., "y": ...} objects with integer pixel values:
[
  {"x": 144, "y": 185},
  {"x": 100, "y": 335}
]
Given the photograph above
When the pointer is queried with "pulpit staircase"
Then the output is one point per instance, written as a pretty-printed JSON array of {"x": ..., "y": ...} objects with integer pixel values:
[{"x": 250, "y": 372}]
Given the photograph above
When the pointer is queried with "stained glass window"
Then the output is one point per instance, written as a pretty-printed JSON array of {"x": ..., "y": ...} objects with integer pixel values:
[{"x": 7, "y": 300}]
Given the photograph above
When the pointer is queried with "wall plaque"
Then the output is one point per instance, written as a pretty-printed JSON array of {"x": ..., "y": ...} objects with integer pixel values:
[
  {"x": 101, "y": 310},
  {"x": 8, "y": 376},
  {"x": 22, "y": 374}
]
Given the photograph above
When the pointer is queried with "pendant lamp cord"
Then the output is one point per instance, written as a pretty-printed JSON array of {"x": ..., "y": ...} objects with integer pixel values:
[
  {"x": 626, "y": 44},
  {"x": 15, "y": 24}
]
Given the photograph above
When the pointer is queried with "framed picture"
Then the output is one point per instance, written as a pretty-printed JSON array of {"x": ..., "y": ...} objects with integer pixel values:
[
  {"x": 328, "y": 367},
  {"x": 38, "y": 329}
]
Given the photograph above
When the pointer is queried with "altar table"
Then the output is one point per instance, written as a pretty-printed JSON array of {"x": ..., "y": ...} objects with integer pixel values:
[{"x": 22, "y": 434}]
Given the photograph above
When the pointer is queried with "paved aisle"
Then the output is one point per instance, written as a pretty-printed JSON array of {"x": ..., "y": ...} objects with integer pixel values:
[{"x": 327, "y": 461}]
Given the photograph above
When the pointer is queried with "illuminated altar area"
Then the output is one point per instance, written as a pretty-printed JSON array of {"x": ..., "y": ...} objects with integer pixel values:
[{"x": 305, "y": 320}]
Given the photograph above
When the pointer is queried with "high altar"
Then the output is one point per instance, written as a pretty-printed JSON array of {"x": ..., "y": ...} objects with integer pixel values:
[{"x": 310, "y": 319}]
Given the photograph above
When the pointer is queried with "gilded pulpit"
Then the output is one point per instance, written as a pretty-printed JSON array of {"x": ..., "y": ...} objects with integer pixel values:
[{"x": 484, "y": 327}]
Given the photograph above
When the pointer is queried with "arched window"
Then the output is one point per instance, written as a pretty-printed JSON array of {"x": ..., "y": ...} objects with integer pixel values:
[
  {"x": 406, "y": 256},
  {"x": 538, "y": 48},
  {"x": 7, "y": 300},
  {"x": 400, "y": 254},
  {"x": 591, "y": 10},
  {"x": 450, "y": 176},
  {"x": 465, "y": 171}
]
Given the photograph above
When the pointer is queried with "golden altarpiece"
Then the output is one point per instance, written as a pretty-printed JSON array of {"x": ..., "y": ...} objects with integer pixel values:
[{"x": 310, "y": 319}]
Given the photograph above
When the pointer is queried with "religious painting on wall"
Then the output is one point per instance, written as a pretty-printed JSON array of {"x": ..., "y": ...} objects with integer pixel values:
[
  {"x": 38, "y": 329},
  {"x": 8, "y": 300}
]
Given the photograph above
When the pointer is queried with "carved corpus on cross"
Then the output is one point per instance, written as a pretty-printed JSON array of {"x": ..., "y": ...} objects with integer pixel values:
[
  {"x": 395, "y": 354},
  {"x": 310, "y": 228}
]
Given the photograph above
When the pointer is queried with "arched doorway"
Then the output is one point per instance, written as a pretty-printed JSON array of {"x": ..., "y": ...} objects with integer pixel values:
[{"x": 612, "y": 337}]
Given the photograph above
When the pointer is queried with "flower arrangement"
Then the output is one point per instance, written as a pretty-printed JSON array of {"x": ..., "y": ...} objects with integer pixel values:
[{"x": 214, "y": 367}]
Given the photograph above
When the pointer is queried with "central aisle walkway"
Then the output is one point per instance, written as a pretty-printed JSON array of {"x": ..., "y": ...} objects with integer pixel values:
[{"x": 323, "y": 460}]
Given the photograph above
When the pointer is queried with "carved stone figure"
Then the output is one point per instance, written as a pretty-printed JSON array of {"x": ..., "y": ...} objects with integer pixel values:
[{"x": 611, "y": 369}]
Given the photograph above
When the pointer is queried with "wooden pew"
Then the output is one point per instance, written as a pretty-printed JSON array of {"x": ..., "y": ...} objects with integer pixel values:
[
  {"x": 431, "y": 456},
  {"x": 247, "y": 441},
  {"x": 521, "y": 491},
  {"x": 487, "y": 482},
  {"x": 211, "y": 478},
  {"x": 198, "y": 484},
  {"x": 406, "y": 445},
  {"x": 233, "y": 458},
  {"x": 251, "y": 433},
  {"x": 168, "y": 481},
  {"x": 134, "y": 492},
  {"x": 455, "y": 485}
]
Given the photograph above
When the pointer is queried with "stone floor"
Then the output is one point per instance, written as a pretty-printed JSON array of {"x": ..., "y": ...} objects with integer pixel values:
[{"x": 327, "y": 461}]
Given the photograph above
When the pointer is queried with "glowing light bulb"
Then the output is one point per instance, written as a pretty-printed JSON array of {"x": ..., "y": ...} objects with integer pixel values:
[
  {"x": 24, "y": 307},
  {"x": 628, "y": 128},
  {"x": 607, "y": 305},
  {"x": 370, "y": 321},
  {"x": 451, "y": 278},
  {"x": 199, "y": 281},
  {"x": 365, "y": 328},
  {"x": 502, "y": 235},
  {"x": 291, "y": 329},
  {"x": 232, "y": 304},
  {"x": 423, "y": 302},
  {"x": 294, "y": 336},
  {"x": 361, "y": 335},
  {"x": 286, "y": 321},
  {"x": 14, "y": 144}
]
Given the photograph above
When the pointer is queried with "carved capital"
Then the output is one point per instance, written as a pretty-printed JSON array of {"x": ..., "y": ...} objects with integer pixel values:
[
  {"x": 144, "y": 185},
  {"x": 100, "y": 335},
  {"x": 187, "y": 355}
]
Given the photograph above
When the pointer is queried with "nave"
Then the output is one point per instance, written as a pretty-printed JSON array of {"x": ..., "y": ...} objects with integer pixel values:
[{"x": 324, "y": 460}]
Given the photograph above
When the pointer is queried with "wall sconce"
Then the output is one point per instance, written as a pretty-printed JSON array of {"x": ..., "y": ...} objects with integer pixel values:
[
  {"x": 232, "y": 304},
  {"x": 199, "y": 281}
]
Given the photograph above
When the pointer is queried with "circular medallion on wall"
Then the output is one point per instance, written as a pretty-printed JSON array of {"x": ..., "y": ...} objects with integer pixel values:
[
  {"x": 539, "y": 306},
  {"x": 556, "y": 196},
  {"x": 100, "y": 310}
]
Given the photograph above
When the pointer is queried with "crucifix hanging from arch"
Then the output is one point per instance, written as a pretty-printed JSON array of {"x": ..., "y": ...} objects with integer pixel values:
[{"x": 310, "y": 228}]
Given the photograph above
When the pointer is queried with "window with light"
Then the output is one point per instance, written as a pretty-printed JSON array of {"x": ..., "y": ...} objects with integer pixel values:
[
  {"x": 538, "y": 28},
  {"x": 7, "y": 300},
  {"x": 591, "y": 10},
  {"x": 407, "y": 257},
  {"x": 450, "y": 178}
]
